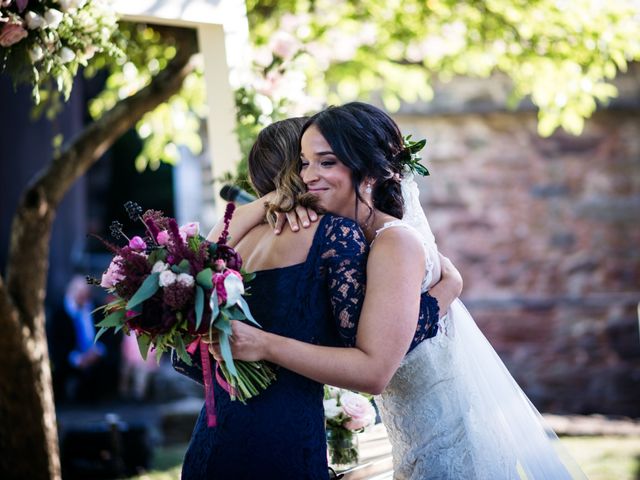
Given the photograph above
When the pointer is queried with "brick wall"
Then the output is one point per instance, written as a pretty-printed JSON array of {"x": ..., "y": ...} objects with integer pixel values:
[{"x": 546, "y": 232}]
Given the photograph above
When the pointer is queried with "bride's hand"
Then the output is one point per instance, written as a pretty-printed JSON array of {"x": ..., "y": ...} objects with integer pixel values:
[
  {"x": 299, "y": 215},
  {"x": 451, "y": 274},
  {"x": 247, "y": 343},
  {"x": 448, "y": 287}
]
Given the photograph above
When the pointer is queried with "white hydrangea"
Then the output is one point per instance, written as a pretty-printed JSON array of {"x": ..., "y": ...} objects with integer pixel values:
[
  {"x": 159, "y": 266},
  {"x": 186, "y": 279},
  {"x": 167, "y": 278}
]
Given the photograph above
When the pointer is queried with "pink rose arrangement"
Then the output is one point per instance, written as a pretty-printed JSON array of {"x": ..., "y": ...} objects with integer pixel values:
[
  {"x": 345, "y": 413},
  {"x": 44, "y": 42},
  {"x": 174, "y": 288}
]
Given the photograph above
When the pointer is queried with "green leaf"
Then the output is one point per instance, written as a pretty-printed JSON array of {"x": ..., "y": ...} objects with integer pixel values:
[
  {"x": 99, "y": 334},
  {"x": 185, "y": 266},
  {"x": 213, "y": 303},
  {"x": 157, "y": 255},
  {"x": 236, "y": 314},
  {"x": 182, "y": 351},
  {"x": 114, "y": 319},
  {"x": 204, "y": 278},
  {"x": 224, "y": 325},
  {"x": 242, "y": 303},
  {"x": 144, "y": 341},
  {"x": 225, "y": 350},
  {"x": 148, "y": 288},
  {"x": 199, "y": 305},
  {"x": 247, "y": 276}
]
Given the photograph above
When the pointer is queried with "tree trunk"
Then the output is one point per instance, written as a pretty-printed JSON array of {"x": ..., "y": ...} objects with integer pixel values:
[{"x": 28, "y": 432}]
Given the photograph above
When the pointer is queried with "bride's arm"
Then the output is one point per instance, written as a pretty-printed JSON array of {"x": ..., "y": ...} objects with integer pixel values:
[{"x": 386, "y": 328}]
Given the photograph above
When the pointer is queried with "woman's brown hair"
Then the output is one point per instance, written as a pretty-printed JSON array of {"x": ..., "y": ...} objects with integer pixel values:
[{"x": 274, "y": 165}]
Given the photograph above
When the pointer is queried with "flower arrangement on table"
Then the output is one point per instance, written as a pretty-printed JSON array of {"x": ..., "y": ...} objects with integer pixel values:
[
  {"x": 346, "y": 413},
  {"x": 174, "y": 289},
  {"x": 43, "y": 39}
]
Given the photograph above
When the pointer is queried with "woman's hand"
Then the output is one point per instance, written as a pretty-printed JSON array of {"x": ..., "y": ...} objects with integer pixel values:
[
  {"x": 247, "y": 343},
  {"x": 450, "y": 273},
  {"x": 297, "y": 216},
  {"x": 449, "y": 287}
]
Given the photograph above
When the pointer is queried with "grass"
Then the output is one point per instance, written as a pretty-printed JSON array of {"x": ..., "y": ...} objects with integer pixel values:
[
  {"x": 601, "y": 458},
  {"x": 606, "y": 458}
]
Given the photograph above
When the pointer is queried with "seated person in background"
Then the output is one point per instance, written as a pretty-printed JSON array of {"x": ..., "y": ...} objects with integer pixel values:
[{"x": 82, "y": 369}]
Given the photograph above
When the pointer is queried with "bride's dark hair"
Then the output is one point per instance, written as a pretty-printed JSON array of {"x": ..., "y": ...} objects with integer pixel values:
[{"x": 368, "y": 142}]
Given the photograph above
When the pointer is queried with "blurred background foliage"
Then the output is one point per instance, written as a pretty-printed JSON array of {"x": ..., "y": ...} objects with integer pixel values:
[{"x": 559, "y": 54}]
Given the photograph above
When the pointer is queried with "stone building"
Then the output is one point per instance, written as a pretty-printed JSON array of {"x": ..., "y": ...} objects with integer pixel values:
[{"x": 546, "y": 232}]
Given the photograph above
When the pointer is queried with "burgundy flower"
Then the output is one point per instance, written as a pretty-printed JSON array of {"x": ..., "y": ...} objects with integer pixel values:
[
  {"x": 178, "y": 295},
  {"x": 230, "y": 256},
  {"x": 228, "y": 213}
]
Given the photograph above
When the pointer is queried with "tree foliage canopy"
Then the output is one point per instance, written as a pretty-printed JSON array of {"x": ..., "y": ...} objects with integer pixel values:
[{"x": 563, "y": 54}]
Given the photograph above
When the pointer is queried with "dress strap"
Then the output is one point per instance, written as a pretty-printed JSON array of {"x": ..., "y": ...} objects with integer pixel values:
[{"x": 391, "y": 224}]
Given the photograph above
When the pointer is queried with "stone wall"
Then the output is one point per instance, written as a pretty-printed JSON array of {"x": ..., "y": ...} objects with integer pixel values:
[{"x": 546, "y": 232}]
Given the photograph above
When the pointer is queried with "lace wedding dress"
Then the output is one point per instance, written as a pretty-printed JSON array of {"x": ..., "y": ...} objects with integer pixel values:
[{"x": 452, "y": 410}]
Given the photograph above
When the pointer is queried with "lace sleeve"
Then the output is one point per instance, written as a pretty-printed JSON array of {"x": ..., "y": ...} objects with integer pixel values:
[
  {"x": 193, "y": 371},
  {"x": 427, "y": 320},
  {"x": 344, "y": 256}
]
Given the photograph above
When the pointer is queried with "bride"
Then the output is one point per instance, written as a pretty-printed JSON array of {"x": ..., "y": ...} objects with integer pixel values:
[{"x": 451, "y": 408}]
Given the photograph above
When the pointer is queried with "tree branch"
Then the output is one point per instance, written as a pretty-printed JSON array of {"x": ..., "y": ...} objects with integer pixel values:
[{"x": 29, "y": 248}]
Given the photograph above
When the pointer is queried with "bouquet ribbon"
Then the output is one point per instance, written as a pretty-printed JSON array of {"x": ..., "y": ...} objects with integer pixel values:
[{"x": 209, "y": 397}]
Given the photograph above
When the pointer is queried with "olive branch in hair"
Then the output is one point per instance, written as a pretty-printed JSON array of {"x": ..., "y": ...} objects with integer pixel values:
[{"x": 409, "y": 156}]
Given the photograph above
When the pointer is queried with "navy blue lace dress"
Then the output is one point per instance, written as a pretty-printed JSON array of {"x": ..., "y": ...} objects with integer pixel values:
[{"x": 280, "y": 433}]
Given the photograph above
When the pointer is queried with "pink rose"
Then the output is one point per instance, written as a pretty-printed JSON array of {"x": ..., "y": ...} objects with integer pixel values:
[
  {"x": 359, "y": 409},
  {"x": 190, "y": 230},
  {"x": 11, "y": 34},
  {"x": 218, "y": 283},
  {"x": 163, "y": 237},
  {"x": 136, "y": 243},
  {"x": 113, "y": 275}
]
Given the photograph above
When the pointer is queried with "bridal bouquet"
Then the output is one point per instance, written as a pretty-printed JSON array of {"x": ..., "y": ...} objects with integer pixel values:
[
  {"x": 345, "y": 413},
  {"x": 174, "y": 289}
]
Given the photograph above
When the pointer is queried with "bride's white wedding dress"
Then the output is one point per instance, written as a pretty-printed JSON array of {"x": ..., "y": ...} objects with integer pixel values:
[{"x": 452, "y": 410}]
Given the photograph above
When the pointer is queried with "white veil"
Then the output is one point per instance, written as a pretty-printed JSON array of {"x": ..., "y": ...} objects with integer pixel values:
[{"x": 500, "y": 411}]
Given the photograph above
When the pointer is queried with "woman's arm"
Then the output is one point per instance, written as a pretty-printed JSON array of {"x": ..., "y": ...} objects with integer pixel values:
[
  {"x": 383, "y": 335},
  {"x": 388, "y": 321}
]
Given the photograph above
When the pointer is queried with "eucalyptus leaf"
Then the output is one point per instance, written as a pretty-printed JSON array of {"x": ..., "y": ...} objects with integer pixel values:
[
  {"x": 204, "y": 278},
  {"x": 213, "y": 303},
  {"x": 225, "y": 350},
  {"x": 143, "y": 344},
  {"x": 242, "y": 303},
  {"x": 224, "y": 325},
  {"x": 148, "y": 288},
  {"x": 236, "y": 313},
  {"x": 199, "y": 305},
  {"x": 114, "y": 319},
  {"x": 99, "y": 334}
]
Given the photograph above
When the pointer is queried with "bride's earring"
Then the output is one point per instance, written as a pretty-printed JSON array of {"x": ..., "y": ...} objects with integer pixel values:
[{"x": 368, "y": 189}]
